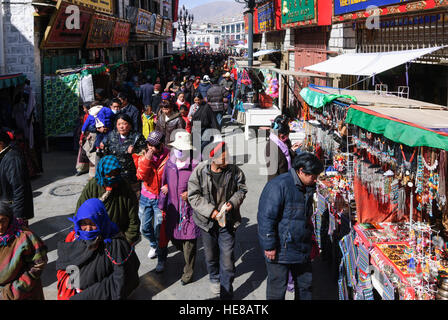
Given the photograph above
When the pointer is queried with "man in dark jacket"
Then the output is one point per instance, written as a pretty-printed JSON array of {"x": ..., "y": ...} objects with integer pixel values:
[
  {"x": 156, "y": 98},
  {"x": 14, "y": 179},
  {"x": 285, "y": 228},
  {"x": 216, "y": 191},
  {"x": 204, "y": 86},
  {"x": 216, "y": 99},
  {"x": 131, "y": 111}
]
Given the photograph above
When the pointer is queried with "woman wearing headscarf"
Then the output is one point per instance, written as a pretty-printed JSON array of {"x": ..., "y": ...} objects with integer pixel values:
[
  {"x": 120, "y": 201},
  {"x": 105, "y": 265},
  {"x": 23, "y": 257},
  {"x": 122, "y": 143},
  {"x": 180, "y": 227}
]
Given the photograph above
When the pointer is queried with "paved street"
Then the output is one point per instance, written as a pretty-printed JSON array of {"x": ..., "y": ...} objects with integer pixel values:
[{"x": 55, "y": 196}]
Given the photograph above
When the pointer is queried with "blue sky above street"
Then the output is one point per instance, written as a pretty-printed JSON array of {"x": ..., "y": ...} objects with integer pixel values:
[{"x": 194, "y": 3}]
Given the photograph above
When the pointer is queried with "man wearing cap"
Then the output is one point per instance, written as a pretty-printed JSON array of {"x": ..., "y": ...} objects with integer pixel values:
[
  {"x": 150, "y": 170},
  {"x": 179, "y": 225},
  {"x": 204, "y": 86},
  {"x": 216, "y": 190}
]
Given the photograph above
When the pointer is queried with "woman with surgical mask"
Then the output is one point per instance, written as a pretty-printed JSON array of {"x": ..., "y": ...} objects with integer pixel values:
[
  {"x": 180, "y": 227},
  {"x": 119, "y": 199},
  {"x": 279, "y": 151}
]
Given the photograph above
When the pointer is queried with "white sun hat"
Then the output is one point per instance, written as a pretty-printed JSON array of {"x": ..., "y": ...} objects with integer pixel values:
[{"x": 182, "y": 141}]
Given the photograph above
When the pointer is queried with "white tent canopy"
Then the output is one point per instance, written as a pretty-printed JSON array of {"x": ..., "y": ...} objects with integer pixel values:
[
  {"x": 265, "y": 52},
  {"x": 369, "y": 64},
  {"x": 241, "y": 46}
]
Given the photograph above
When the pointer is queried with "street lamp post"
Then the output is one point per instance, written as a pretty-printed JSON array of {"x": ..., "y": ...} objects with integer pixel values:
[
  {"x": 250, "y": 5},
  {"x": 185, "y": 22}
]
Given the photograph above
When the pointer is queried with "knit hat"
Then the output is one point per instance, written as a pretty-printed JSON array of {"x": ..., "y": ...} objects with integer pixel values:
[
  {"x": 166, "y": 96},
  {"x": 155, "y": 138},
  {"x": 206, "y": 78}
]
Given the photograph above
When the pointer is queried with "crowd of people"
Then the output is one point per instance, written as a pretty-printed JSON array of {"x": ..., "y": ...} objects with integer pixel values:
[{"x": 146, "y": 184}]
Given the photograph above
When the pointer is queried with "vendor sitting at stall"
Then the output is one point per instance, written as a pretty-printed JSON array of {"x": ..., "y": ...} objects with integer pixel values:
[{"x": 279, "y": 152}]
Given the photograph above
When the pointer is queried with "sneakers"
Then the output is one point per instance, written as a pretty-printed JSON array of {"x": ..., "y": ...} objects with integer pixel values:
[
  {"x": 152, "y": 253},
  {"x": 160, "y": 266},
  {"x": 215, "y": 287}
]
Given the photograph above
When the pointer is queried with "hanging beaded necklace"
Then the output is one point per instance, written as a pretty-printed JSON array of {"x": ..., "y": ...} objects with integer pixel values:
[{"x": 407, "y": 164}]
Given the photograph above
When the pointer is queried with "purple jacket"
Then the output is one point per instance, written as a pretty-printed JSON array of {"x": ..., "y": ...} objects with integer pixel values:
[{"x": 176, "y": 209}]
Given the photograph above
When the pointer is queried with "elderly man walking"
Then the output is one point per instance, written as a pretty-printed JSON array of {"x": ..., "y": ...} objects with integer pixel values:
[
  {"x": 285, "y": 229},
  {"x": 216, "y": 191}
]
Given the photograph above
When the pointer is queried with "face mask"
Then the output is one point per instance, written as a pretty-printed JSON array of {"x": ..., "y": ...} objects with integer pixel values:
[
  {"x": 178, "y": 153},
  {"x": 110, "y": 181},
  {"x": 114, "y": 111}
]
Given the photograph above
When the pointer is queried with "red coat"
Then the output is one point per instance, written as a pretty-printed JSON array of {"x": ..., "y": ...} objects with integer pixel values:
[
  {"x": 64, "y": 293},
  {"x": 151, "y": 173}
]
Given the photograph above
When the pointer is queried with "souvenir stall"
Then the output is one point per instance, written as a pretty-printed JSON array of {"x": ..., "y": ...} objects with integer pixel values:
[
  {"x": 389, "y": 177},
  {"x": 256, "y": 96},
  {"x": 68, "y": 89}
]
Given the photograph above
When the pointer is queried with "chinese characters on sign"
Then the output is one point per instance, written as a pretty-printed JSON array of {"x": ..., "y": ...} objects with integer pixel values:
[
  {"x": 297, "y": 10},
  {"x": 266, "y": 17},
  {"x": 143, "y": 21}
]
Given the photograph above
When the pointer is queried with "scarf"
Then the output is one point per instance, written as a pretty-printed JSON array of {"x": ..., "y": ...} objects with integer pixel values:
[
  {"x": 105, "y": 166},
  {"x": 13, "y": 231},
  {"x": 94, "y": 210},
  {"x": 283, "y": 147}
]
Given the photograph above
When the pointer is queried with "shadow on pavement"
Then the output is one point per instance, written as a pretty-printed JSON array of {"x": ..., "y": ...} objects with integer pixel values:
[{"x": 251, "y": 260}]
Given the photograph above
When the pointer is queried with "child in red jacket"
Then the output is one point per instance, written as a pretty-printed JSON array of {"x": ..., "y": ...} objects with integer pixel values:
[{"x": 150, "y": 167}]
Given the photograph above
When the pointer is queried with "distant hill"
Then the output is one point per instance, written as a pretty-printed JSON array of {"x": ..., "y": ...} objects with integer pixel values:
[{"x": 216, "y": 11}]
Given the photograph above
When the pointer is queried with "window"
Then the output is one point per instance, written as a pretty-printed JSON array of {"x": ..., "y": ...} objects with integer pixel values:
[
  {"x": 238, "y": 28},
  {"x": 223, "y": 29},
  {"x": 216, "y": 40},
  {"x": 237, "y": 37},
  {"x": 233, "y": 28},
  {"x": 228, "y": 29}
]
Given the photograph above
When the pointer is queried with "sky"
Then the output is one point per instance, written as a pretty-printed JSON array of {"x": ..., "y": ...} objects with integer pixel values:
[{"x": 194, "y": 3}]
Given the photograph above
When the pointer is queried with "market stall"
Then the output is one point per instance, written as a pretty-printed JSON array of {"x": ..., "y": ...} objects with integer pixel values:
[{"x": 386, "y": 167}]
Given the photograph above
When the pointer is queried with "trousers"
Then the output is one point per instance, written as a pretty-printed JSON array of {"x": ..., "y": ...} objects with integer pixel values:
[{"x": 277, "y": 280}]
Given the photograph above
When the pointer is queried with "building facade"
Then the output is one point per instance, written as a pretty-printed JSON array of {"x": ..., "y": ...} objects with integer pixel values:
[
  {"x": 206, "y": 35},
  {"x": 42, "y": 37},
  {"x": 233, "y": 32}
]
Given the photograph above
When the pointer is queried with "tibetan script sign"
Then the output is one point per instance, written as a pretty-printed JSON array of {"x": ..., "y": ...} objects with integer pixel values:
[
  {"x": 99, "y": 5},
  {"x": 346, "y": 6},
  {"x": 121, "y": 34},
  {"x": 297, "y": 10},
  {"x": 101, "y": 32}
]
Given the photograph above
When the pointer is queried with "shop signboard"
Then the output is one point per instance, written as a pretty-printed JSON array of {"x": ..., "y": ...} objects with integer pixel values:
[
  {"x": 121, "y": 34},
  {"x": 158, "y": 24},
  {"x": 143, "y": 22},
  {"x": 168, "y": 26},
  {"x": 266, "y": 17},
  {"x": 101, "y": 32},
  {"x": 346, "y": 6},
  {"x": 105, "y": 6},
  {"x": 57, "y": 35},
  {"x": 297, "y": 10}
]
